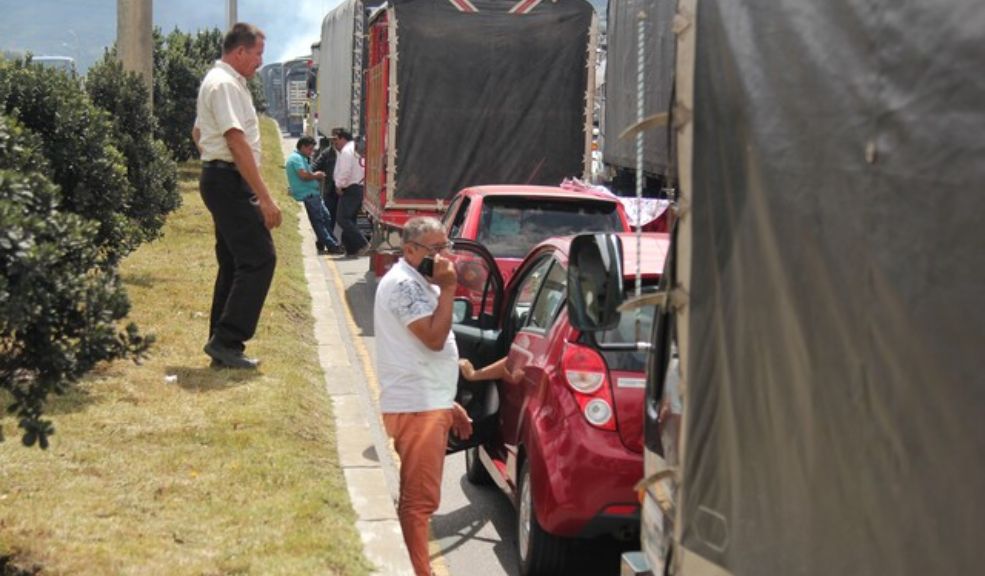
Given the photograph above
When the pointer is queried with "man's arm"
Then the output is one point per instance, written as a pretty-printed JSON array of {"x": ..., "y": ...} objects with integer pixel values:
[
  {"x": 197, "y": 137},
  {"x": 243, "y": 157},
  {"x": 433, "y": 330},
  {"x": 305, "y": 175}
]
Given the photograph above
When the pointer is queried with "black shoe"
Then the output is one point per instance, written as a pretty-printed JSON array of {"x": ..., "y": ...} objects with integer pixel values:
[
  {"x": 336, "y": 250},
  {"x": 230, "y": 358},
  {"x": 319, "y": 247}
]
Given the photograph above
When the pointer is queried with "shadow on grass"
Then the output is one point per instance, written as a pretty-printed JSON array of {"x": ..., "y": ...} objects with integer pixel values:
[
  {"x": 209, "y": 379},
  {"x": 74, "y": 400},
  {"x": 141, "y": 279}
]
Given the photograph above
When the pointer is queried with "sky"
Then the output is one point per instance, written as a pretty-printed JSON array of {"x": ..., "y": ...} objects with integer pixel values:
[{"x": 83, "y": 29}]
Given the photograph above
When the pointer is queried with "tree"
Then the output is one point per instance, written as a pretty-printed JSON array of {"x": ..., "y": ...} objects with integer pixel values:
[{"x": 60, "y": 300}]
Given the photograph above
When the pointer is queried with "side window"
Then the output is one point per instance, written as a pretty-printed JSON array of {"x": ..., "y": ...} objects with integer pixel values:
[
  {"x": 549, "y": 300},
  {"x": 525, "y": 294},
  {"x": 455, "y": 217}
]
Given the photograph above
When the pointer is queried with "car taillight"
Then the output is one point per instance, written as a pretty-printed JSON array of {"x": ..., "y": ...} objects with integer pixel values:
[{"x": 585, "y": 372}]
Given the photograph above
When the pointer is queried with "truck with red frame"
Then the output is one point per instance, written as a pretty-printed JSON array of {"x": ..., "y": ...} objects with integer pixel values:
[{"x": 461, "y": 93}]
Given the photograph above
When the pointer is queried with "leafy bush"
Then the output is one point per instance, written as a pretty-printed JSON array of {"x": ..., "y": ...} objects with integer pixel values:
[
  {"x": 59, "y": 300},
  {"x": 152, "y": 173},
  {"x": 180, "y": 62},
  {"x": 81, "y": 157}
]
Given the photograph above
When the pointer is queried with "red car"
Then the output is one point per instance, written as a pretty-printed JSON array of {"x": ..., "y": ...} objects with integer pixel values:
[
  {"x": 562, "y": 431},
  {"x": 510, "y": 220}
]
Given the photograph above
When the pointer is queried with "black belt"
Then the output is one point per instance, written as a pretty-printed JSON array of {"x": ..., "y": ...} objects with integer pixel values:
[{"x": 221, "y": 164}]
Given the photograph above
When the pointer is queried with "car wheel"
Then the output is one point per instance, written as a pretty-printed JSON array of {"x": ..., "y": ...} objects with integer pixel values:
[
  {"x": 475, "y": 470},
  {"x": 539, "y": 552}
]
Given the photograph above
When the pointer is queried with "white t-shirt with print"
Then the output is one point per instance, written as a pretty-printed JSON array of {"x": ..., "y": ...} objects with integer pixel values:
[{"x": 413, "y": 378}]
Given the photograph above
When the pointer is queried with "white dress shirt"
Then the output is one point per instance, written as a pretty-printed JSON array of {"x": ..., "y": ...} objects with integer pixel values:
[
  {"x": 348, "y": 169},
  {"x": 224, "y": 103}
]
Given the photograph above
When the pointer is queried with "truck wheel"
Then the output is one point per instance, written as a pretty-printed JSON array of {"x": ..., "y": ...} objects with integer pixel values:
[
  {"x": 539, "y": 552},
  {"x": 475, "y": 470}
]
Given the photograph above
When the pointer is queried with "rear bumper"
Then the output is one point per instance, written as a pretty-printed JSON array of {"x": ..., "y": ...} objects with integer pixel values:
[{"x": 587, "y": 471}]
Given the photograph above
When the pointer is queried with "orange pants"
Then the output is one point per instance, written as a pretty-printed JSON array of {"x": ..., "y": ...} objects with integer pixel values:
[{"x": 420, "y": 439}]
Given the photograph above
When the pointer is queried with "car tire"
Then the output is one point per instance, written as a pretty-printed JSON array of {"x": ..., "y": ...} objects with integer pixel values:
[
  {"x": 475, "y": 470},
  {"x": 538, "y": 552}
]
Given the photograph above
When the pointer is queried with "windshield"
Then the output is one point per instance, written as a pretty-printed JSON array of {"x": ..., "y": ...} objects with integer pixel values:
[{"x": 510, "y": 226}]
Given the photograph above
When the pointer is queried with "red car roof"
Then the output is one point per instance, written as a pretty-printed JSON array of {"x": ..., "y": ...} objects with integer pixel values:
[
  {"x": 654, "y": 247},
  {"x": 541, "y": 191}
]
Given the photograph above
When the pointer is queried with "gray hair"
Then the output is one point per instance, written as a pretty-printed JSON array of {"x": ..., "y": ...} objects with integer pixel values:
[{"x": 417, "y": 227}]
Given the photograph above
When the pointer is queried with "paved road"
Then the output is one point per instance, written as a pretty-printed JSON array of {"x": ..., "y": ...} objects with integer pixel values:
[{"x": 474, "y": 530}]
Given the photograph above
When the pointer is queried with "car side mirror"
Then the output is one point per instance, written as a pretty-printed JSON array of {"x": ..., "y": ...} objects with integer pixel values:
[
  {"x": 461, "y": 310},
  {"x": 595, "y": 281}
]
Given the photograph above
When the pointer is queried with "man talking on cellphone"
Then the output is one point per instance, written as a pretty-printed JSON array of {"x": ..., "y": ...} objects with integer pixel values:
[{"x": 419, "y": 374}]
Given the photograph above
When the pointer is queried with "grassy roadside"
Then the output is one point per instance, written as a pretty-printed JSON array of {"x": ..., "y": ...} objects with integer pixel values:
[{"x": 220, "y": 472}]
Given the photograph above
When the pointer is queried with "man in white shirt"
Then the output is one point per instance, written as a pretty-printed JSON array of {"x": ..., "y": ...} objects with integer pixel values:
[
  {"x": 418, "y": 375},
  {"x": 349, "y": 175},
  {"x": 227, "y": 134}
]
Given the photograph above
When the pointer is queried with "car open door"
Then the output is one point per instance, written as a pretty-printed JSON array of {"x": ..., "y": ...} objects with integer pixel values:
[{"x": 476, "y": 323}]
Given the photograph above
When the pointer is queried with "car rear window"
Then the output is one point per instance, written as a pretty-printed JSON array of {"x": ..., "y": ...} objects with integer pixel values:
[{"x": 510, "y": 226}]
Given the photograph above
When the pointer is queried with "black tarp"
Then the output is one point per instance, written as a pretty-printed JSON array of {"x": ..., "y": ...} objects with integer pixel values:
[
  {"x": 489, "y": 97},
  {"x": 621, "y": 86},
  {"x": 836, "y": 370}
]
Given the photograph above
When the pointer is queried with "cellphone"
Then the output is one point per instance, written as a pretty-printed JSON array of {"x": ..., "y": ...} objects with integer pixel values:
[{"x": 426, "y": 267}]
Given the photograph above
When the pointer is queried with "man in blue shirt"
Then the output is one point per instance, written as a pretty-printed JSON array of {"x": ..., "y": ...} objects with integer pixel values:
[{"x": 304, "y": 185}]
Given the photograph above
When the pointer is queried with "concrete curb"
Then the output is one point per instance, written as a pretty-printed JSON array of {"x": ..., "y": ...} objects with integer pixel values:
[{"x": 360, "y": 445}]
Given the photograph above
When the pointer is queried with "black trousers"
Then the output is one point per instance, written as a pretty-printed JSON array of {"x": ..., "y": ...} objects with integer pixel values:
[
  {"x": 245, "y": 252},
  {"x": 349, "y": 203}
]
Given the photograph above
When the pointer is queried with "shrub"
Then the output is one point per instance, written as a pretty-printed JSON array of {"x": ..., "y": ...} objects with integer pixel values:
[
  {"x": 152, "y": 173},
  {"x": 59, "y": 300},
  {"x": 81, "y": 157}
]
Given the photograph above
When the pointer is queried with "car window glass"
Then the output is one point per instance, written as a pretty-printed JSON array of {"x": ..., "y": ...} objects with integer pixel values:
[
  {"x": 509, "y": 226},
  {"x": 635, "y": 325},
  {"x": 526, "y": 292},
  {"x": 455, "y": 217},
  {"x": 475, "y": 287},
  {"x": 549, "y": 299}
]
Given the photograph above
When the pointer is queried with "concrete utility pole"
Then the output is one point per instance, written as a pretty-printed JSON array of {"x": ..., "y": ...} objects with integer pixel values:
[
  {"x": 135, "y": 40},
  {"x": 230, "y": 14}
]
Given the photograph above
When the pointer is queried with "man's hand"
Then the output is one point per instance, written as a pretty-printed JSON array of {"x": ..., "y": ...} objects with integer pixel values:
[
  {"x": 461, "y": 424},
  {"x": 270, "y": 212},
  {"x": 468, "y": 370},
  {"x": 444, "y": 272},
  {"x": 319, "y": 175}
]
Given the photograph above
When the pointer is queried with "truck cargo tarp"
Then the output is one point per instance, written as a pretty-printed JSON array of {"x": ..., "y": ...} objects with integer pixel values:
[
  {"x": 526, "y": 73},
  {"x": 340, "y": 68},
  {"x": 836, "y": 364},
  {"x": 621, "y": 93}
]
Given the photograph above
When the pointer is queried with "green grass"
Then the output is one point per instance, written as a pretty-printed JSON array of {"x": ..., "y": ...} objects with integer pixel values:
[{"x": 221, "y": 472}]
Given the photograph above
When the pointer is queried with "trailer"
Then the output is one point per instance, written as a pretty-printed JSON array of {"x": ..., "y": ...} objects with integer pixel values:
[
  {"x": 272, "y": 76},
  {"x": 471, "y": 92},
  {"x": 296, "y": 74},
  {"x": 815, "y": 389},
  {"x": 340, "y": 65}
]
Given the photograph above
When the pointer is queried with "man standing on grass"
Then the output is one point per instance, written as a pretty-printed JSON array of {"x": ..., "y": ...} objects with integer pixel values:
[
  {"x": 227, "y": 134},
  {"x": 305, "y": 188}
]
